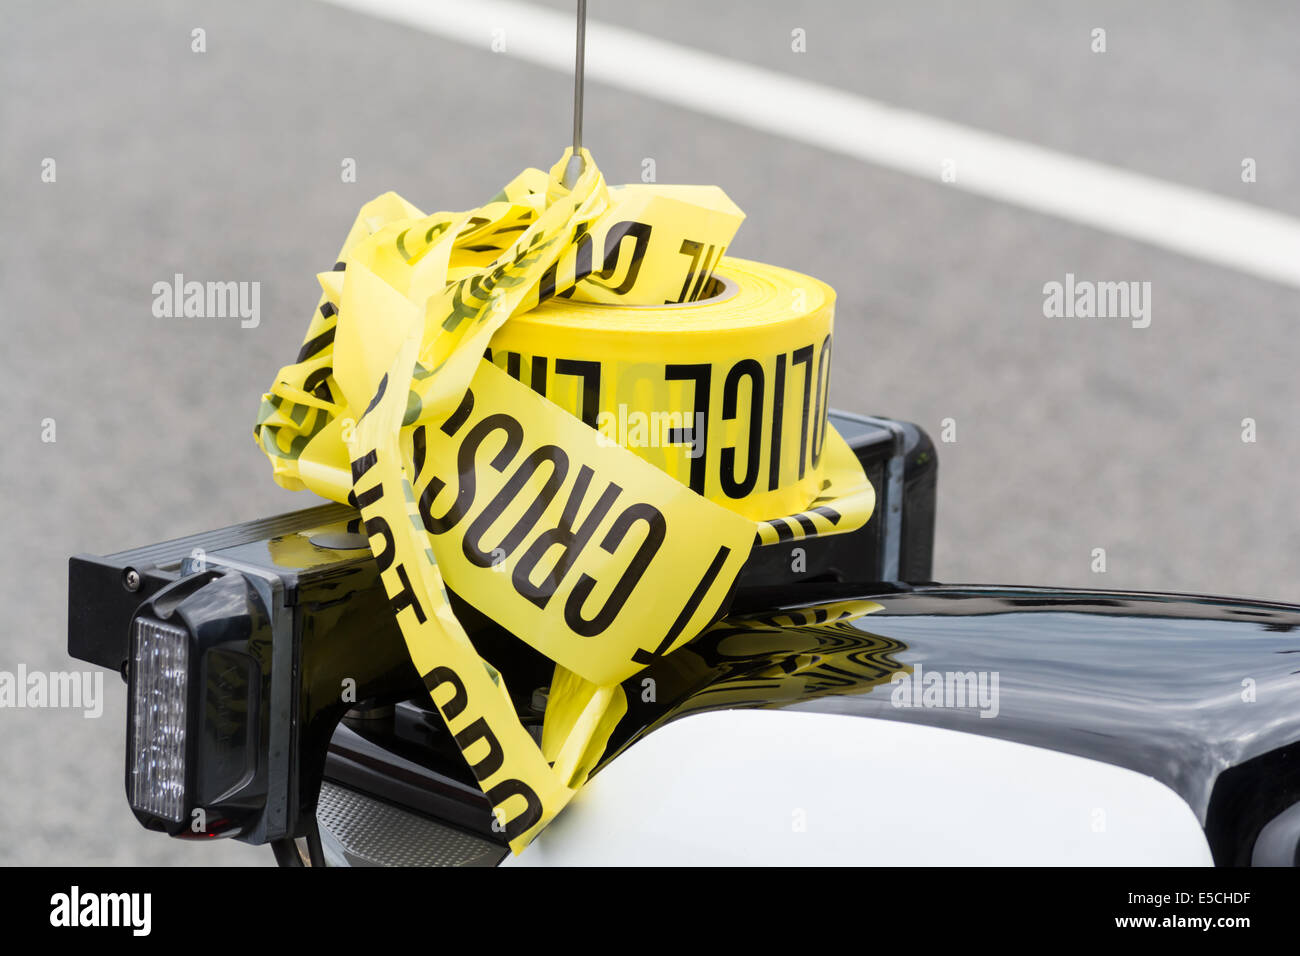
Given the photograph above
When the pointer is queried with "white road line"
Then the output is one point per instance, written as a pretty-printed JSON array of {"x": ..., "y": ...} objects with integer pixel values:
[{"x": 1222, "y": 231}]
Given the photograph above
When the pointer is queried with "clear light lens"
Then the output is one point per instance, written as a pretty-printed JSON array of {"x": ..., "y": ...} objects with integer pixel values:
[{"x": 159, "y": 668}]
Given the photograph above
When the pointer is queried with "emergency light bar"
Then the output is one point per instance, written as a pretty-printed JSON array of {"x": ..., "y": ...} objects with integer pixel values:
[{"x": 244, "y": 647}]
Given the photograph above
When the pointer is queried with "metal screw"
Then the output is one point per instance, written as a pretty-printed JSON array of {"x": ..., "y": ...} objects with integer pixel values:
[{"x": 131, "y": 579}]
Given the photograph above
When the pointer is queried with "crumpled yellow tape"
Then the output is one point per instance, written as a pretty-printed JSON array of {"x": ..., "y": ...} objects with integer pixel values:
[{"x": 600, "y": 556}]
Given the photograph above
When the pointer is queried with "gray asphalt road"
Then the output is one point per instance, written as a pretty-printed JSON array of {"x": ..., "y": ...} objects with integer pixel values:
[{"x": 1071, "y": 435}]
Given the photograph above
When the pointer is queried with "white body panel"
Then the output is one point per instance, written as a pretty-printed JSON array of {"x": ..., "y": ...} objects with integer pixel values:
[{"x": 784, "y": 787}]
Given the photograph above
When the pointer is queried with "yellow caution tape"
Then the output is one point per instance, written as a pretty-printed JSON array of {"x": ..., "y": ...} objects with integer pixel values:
[{"x": 575, "y": 410}]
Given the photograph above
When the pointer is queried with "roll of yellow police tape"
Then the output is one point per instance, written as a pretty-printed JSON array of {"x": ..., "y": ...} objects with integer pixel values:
[
  {"x": 596, "y": 483},
  {"x": 728, "y": 394}
]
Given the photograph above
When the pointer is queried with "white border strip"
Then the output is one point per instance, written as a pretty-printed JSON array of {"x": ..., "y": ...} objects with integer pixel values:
[{"x": 1222, "y": 231}]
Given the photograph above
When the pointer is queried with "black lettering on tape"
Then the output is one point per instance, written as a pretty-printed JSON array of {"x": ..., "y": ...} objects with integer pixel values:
[
  {"x": 711, "y": 258},
  {"x": 368, "y": 498},
  {"x": 778, "y": 414},
  {"x": 521, "y": 823},
  {"x": 490, "y": 764},
  {"x": 639, "y": 231},
  {"x": 364, "y": 464},
  {"x": 570, "y": 541},
  {"x": 419, "y": 447},
  {"x": 546, "y": 288},
  {"x": 582, "y": 256},
  {"x": 688, "y": 609},
  {"x": 689, "y": 248},
  {"x": 700, "y": 375},
  {"x": 471, "y": 545},
  {"x": 459, "y": 697},
  {"x": 657, "y": 528},
  {"x": 822, "y": 401},
  {"x": 751, "y": 369},
  {"x": 614, "y": 236},
  {"x": 379, "y": 393},
  {"x": 406, "y": 596},
  {"x": 514, "y": 433},
  {"x": 377, "y": 527},
  {"x": 804, "y": 357},
  {"x": 589, "y": 372},
  {"x": 537, "y": 376},
  {"x": 460, "y": 415}
]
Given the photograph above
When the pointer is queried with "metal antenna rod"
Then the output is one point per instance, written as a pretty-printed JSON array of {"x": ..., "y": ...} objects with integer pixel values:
[{"x": 573, "y": 169}]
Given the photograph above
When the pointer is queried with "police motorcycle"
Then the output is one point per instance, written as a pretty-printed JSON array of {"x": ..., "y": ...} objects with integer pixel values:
[{"x": 844, "y": 708}]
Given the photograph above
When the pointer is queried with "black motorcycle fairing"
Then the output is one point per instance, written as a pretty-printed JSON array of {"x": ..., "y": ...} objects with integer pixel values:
[{"x": 1179, "y": 687}]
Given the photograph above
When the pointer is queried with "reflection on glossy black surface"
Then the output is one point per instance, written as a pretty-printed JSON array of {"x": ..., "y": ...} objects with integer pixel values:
[{"x": 1178, "y": 687}]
